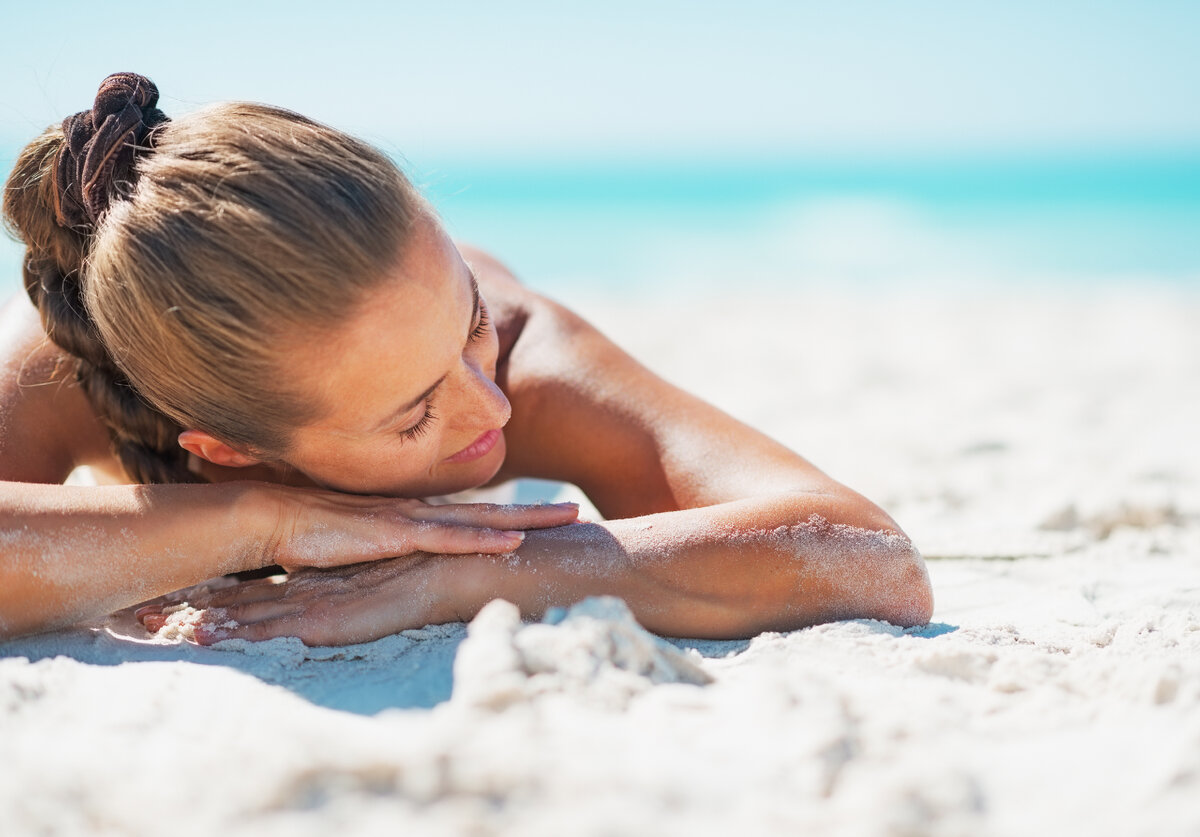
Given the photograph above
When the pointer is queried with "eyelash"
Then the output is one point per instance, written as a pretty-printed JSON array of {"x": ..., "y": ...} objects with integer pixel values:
[
  {"x": 480, "y": 331},
  {"x": 422, "y": 427}
]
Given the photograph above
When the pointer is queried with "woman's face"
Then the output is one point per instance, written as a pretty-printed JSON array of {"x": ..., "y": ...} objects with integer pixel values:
[{"x": 408, "y": 384}]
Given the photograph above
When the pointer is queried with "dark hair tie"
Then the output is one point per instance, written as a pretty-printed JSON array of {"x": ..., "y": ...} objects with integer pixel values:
[{"x": 101, "y": 145}]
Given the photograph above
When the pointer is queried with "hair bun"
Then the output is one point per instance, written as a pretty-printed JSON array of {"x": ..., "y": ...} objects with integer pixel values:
[{"x": 101, "y": 145}]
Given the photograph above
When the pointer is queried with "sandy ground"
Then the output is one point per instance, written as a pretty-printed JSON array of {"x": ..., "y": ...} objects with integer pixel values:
[{"x": 1039, "y": 448}]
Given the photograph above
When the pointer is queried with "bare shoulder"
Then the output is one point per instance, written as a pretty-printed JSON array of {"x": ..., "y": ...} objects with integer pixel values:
[
  {"x": 510, "y": 303},
  {"x": 47, "y": 426},
  {"x": 542, "y": 342},
  {"x": 586, "y": 412},
  {"x": 527, "y": 323},
  {"x": 521, "y": 313}
]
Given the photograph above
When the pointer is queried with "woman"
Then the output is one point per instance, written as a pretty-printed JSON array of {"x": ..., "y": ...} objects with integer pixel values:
[{"x": 258, "y": 319}]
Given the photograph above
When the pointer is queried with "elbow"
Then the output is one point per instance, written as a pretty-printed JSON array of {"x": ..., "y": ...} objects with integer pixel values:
[
  {"x": 890, "y": 583},
  {"x": 894, "y": 581},
  {"x": 862, "y": 566},
  {"x": 907, "y": 598}
]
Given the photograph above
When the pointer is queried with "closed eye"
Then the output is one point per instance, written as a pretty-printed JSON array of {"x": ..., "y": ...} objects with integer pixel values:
[
  {"x": 480, "y": 331},
  {"x": 484, "y": 326},
  {"x": 421, "y": 427}
]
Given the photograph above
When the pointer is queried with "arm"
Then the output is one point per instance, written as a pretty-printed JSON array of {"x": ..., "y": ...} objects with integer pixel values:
[
  {"x": 721, "y": 572},
  {"x": 73, "y": 552},
  {"x": 717, "y": 531},
  {"x": 69, "y": 553},
  {"x": 717, "y": 573}
]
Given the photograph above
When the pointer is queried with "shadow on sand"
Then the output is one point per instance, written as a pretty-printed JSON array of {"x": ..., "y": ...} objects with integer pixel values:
[{"x": 413, "y": 671}]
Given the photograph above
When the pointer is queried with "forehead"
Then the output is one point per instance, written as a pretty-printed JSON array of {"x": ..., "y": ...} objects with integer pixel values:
[{"x": 403, "y": 335}]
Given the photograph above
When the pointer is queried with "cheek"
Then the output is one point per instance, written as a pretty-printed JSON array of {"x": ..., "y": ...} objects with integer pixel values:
[{"x": 414, "y": 459}]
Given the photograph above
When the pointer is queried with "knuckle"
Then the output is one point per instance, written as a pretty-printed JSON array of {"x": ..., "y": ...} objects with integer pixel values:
[{"x": 436, "y": 534}]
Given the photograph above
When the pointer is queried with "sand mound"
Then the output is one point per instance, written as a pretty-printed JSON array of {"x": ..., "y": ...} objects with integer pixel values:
[{"x": 595, "y": 651}]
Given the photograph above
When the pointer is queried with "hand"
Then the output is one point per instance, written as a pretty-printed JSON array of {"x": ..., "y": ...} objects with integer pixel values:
[
  {"x": 153, "y": 614},
  {"x": 329, "y": 529},
  {"x": 339, "y": 606}
]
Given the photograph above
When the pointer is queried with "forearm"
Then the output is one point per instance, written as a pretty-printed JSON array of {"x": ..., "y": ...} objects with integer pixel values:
[
  {"x": 732, "y": 570},
  {"x": 69, "y": 553}
]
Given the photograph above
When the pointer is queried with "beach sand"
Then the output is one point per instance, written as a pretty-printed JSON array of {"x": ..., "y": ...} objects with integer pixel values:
[{"x": 1041, "y": 450}]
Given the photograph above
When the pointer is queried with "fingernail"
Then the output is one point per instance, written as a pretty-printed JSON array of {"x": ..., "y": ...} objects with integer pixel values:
[
  {"x": 514, "y": 533},
  {"x": 566, "y": 505}
]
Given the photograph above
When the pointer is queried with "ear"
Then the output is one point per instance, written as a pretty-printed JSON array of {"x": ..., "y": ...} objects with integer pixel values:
[{"x": 217, "y": 452}]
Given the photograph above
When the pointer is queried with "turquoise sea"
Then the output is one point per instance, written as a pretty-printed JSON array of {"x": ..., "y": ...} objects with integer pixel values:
[{"x": 939, "y": 223}]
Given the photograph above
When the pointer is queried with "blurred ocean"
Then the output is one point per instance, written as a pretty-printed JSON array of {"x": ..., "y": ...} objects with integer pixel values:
[
  {"x": 933, "y": 223},
  {"x": 937, "y": 224}
]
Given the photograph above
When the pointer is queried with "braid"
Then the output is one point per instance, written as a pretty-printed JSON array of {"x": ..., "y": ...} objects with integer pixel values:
[
  {"x": 55, "y": 214},
  {"x": 143, "y": 439}
]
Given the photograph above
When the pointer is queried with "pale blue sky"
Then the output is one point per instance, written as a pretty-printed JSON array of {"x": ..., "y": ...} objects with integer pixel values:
[{"x": 626, "y": 78}]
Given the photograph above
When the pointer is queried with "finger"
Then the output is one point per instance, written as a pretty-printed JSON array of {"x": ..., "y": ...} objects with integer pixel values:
[
  {"x": 161, "y": 602},
  {"x": 210, "y": 633},
  {"x": 156, "y": 612},
  {"x": 147, "y": 610},
  {"x": 457, "y": 539},
  {"x": 154, "y": 622},
  {"x": 498, "y": 516},
  {"x": 239, "y": 615},
  {"x": 247, "y": 593}
]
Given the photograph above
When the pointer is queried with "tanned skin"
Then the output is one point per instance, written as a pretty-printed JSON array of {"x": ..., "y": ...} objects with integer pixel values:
[{"x": 711, "y": 528}]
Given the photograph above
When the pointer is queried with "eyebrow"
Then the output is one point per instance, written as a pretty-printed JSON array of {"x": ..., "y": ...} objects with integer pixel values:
[{"x": 405, "y": 408}]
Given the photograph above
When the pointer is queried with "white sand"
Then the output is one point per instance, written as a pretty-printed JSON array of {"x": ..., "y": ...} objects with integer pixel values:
[{"x": 1041, "y": 452}]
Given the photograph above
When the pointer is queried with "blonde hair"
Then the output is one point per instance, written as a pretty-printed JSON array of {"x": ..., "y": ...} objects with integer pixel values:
[{"x": 244, "y": 226}]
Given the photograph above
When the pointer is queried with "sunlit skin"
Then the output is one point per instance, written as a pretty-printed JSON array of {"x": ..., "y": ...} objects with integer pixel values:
[
  {"x": 712, "y": 529},
  {"x": 426, "y": 327}
]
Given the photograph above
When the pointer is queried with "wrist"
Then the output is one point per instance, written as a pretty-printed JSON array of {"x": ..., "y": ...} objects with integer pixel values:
[
  {"x": 451, "y": 575},
  {"x": 551, "y": 568},
  {"x": 254, "y": 518},
  {"x": 467, "y": 583}
]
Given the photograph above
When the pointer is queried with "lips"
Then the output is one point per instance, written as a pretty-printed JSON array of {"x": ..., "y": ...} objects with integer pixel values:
[{"x": 480, "y": 447}]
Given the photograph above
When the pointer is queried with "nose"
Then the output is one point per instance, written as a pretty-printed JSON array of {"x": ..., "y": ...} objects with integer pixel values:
[{"x": 484, "y": 404}]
